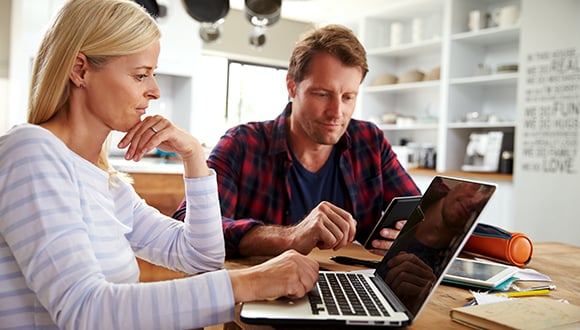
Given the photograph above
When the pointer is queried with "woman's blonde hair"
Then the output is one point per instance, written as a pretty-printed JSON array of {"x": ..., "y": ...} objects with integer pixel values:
[{"x": 100, "y": 29}]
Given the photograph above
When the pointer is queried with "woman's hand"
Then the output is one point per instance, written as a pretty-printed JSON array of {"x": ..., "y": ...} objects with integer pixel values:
[
  {"x": 290, "y": 274},
  {"x": 158, "y": 132}
]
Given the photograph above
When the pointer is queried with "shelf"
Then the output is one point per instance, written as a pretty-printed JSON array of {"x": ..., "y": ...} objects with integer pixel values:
[
  {"x": 402, "y": 87},
  {"x": 462, "y": 174},
  {"x": 418, "y": 126},
  {"x": 489, "y": 36},
  {"x": 462, "y": 125},
  {"x": 459, "y": 90},
  {"x": 409, "y": 49},
  {"x": 492, "y": 79}
]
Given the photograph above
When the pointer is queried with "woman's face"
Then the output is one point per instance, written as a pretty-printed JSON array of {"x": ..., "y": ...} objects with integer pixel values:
[{"x": 118, "y": 93}]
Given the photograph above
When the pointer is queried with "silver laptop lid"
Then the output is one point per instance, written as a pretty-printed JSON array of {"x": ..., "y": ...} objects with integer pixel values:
[{"x": 434, "y": 234}]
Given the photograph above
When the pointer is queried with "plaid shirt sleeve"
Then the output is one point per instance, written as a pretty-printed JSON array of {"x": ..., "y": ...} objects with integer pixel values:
[
  {"x": 373, "y": 175},
  {"x": 231, "y": 156},
  {"x": 237, "y": 160}
]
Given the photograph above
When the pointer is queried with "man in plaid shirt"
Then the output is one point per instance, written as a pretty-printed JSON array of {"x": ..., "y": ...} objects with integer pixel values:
[{"x": 312, "y": 177}]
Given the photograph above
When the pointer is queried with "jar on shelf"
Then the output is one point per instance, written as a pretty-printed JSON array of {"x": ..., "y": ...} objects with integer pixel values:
[
  {"x": 414, "y": 155},
  {"x": 429, "y": 157},
  {"x": 506, "y": 164}
]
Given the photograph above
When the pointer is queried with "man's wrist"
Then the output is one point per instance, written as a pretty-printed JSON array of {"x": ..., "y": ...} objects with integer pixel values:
[{"x": 266, "y": 240}]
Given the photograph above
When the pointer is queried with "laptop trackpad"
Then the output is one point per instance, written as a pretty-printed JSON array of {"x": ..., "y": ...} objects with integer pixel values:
[{"x": 280, "y": 308}]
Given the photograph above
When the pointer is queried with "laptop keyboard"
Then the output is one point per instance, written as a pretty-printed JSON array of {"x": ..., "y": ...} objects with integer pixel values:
[{"x": 344, "y": 294}]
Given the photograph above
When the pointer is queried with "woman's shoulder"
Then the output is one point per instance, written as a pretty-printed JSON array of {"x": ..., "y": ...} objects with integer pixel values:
[
  {"x": 23, "y": 133},
  {"x": 30, "y": 138}
]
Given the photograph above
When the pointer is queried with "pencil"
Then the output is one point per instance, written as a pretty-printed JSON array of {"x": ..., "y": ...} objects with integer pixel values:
[
  {"x": 523, "y": 293},
  {"x": 510, "y": 294}
]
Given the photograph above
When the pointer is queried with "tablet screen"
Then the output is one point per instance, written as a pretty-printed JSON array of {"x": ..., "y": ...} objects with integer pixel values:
[
  {"x": 478, "y": 272},
  {"x": 475, "y": 270}
]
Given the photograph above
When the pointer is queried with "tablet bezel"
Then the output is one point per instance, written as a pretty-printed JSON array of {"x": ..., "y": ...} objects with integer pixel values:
[{"x": 499, "y": 273}]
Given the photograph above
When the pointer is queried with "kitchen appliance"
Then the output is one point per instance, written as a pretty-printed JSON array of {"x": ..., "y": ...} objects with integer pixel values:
[{"x": 483, "y": 152}]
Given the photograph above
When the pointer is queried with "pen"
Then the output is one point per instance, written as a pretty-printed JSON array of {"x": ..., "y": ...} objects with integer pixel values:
[
  {"x": 355, "y": 261},
  {"x": 543, "y": 287}
]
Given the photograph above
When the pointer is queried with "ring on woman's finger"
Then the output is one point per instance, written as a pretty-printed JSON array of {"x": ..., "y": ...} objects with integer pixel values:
[{"x": 154, "y": 129}]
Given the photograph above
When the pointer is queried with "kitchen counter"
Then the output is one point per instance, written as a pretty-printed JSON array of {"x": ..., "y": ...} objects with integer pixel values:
[
  {"x": 157, "y": 180},
  {"x": 147, "y": 165}
]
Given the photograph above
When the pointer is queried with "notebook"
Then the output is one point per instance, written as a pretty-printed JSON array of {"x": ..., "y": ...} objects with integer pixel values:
[{"x": 434, "y": 234}]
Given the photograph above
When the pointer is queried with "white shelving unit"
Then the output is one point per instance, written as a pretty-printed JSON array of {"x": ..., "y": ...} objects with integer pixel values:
[{"x": 440, "y": 107}]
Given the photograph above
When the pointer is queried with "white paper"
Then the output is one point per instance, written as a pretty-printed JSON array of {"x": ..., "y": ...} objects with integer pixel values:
[{"x": 528, "y": 274}]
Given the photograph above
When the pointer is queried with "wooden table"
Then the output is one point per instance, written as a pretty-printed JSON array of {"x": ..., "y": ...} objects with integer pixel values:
[{"x": 561, "y": 262}]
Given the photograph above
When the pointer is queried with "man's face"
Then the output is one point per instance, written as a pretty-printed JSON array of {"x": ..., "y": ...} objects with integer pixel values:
[{"x": 323, "y": 103}]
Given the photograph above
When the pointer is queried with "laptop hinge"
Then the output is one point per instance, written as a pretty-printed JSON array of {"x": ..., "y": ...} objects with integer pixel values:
[{"x": 390, "y": 296}]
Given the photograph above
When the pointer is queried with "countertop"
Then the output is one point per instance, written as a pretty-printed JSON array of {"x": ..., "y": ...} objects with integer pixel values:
[{"x": 157, "y": 165}]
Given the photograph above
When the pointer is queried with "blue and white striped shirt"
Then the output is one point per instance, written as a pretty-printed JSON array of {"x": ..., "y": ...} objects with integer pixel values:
[{"x": 69, "y": 236}]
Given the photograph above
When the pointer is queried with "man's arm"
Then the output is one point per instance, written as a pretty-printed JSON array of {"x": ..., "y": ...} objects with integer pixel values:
[{"x": 327, "y": 226}]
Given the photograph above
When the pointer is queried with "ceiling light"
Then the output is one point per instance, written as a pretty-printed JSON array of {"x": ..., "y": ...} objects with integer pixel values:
[
  {"x": 261, "y": 13},
  {"x": 210, "y": 13}
]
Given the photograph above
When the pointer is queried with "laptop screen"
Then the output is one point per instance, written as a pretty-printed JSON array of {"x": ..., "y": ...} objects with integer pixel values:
[{"x": 432, "y": 237}]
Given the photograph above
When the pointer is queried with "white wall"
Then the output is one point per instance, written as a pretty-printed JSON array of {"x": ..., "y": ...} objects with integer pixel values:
[
  {"x": 4, "y": 36},
  {"x": 547, "y": 163},
  {"x": 28, "y": 21},
  {"x": 4, "y": 61}
]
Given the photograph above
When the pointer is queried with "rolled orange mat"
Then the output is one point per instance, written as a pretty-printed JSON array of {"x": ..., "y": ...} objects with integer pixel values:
[{"x": 495, "y": 242}]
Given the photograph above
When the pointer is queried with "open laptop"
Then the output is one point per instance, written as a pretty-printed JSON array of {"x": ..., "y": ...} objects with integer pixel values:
[{"x": 434, "y": 234}]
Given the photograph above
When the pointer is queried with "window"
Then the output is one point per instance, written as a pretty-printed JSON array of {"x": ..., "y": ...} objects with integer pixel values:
[
  {"x": 234, "y": 92},
  {"x": 255, "y": 92}
]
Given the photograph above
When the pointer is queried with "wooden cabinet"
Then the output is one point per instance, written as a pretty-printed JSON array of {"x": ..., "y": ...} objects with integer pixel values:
[{"x": 160, "y": 190}]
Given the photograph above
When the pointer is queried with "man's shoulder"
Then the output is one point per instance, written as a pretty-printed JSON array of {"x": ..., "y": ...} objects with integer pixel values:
[
  {"x": 248, "y": 137},
  {"x": 253, "y": 128},
  {"x": 358, "y": 126}
]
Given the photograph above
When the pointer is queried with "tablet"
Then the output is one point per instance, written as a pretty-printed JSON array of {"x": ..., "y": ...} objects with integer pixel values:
[
  {"x": 478, "y": 273},
  {"x": 398, "y": 209}
]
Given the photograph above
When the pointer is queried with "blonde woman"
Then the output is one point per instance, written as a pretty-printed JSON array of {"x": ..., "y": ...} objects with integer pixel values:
[{"x": 71, "y": 226}]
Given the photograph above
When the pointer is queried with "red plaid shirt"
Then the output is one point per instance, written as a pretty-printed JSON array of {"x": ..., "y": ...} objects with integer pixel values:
[{"x": 252, "y": 162}]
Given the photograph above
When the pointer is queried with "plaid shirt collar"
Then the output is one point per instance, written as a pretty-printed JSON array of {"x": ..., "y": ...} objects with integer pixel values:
[{"x": 279, "y": 143}]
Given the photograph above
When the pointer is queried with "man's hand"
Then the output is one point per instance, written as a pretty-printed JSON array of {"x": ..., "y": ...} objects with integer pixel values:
[
  {"x": 327, "y": 226},
  {"x": 380, "y": 246}
]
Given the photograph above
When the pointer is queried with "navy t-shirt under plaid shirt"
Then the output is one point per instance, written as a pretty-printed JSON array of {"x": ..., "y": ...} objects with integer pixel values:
[
  {"x": 309, "y": 189},
  {"x": 253, "y": 164}
]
